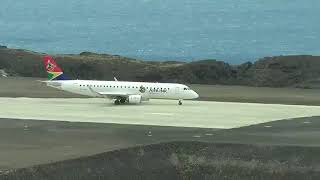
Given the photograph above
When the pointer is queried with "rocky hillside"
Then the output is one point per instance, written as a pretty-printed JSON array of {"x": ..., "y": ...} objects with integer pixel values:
[{"x": 282, "y": 71}]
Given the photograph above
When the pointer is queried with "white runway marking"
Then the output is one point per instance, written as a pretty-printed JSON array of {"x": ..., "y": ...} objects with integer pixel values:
[
  {"x": 203, "y": 114},
  {"x": 162, "y": 114}
]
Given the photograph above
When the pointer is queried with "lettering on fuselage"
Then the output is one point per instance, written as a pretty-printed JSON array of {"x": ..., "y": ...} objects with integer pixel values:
[
  {"x": 143, "y": 89},
  {"x": 158, "y": 90}
]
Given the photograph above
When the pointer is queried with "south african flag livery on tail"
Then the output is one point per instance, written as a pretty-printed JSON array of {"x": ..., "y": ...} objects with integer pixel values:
[{"x": 54, "y": 71}]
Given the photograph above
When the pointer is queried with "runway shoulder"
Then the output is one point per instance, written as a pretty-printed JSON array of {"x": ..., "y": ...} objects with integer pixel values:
[{"x": 25, "y": 143}]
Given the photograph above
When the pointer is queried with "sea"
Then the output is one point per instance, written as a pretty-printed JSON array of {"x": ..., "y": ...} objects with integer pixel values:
[{"x": 234, "y": 31}]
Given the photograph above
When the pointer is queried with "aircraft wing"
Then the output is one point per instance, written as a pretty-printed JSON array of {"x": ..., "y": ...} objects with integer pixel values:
[
  {"x": 110, "y": 95},
  {"x": 113, "y": 94}
]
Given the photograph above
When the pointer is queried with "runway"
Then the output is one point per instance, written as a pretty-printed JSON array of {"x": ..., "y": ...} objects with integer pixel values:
[{"x": 201, "y": 114}]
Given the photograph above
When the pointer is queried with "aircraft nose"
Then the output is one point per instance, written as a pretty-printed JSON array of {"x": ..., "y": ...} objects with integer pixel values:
[{"x": 195, "y": 95}]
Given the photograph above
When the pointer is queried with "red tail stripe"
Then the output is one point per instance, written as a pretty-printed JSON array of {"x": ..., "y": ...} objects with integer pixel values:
[{"x": 50, "y": 64}]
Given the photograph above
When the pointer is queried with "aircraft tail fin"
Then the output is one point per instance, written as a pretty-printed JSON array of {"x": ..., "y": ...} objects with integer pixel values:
[{"x": 53, "y": 70}]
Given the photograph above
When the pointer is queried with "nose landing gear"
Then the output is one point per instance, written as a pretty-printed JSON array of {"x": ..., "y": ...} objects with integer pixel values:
[{"x": 180, "y": 102}]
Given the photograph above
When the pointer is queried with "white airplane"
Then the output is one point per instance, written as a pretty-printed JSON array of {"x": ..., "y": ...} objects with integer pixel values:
[{"x": 120, "y": 92}]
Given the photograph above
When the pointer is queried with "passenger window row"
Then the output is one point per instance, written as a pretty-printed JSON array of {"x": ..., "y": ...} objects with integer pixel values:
[
  {"x": 121, "y": 87},
  {"x": 109, "y": 86}
]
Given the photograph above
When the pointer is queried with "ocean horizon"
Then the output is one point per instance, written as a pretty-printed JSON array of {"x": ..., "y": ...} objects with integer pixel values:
[{"x": 234, "y": 31}]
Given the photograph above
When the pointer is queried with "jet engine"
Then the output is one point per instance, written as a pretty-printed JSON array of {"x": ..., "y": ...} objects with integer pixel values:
[{"x": 134, "y": 99}]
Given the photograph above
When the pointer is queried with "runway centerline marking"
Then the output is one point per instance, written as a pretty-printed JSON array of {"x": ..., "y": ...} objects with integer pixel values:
[{"x": 161, "y": 114}]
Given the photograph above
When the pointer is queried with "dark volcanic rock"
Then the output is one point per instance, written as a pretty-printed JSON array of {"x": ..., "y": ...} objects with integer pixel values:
[
  {"x": 285, "y": 71},
  {"x": 281, "y": 71}
]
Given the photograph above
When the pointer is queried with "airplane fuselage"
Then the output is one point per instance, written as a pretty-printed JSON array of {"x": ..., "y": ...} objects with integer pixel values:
[{"x": 145, "y": 89}]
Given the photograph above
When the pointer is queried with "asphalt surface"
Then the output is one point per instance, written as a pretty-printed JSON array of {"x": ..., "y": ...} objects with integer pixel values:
[{"x": 25, "y": 143}]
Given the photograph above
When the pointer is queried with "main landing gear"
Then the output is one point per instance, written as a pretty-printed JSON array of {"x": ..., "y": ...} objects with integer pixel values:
[
  {"x": 120, "y": 101},
  {"x": 180, "y": 102},
  {"x": 117, "y": 102}
]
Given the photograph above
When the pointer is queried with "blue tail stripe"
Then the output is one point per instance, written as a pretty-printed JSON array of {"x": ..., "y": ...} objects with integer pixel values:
[{"x": 62, "y": 77}]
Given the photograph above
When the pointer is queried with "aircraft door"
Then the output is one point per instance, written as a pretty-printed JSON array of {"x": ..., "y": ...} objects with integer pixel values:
[
  {"x": 177, "y": 89},
  {"x": 83, "y": 88}
]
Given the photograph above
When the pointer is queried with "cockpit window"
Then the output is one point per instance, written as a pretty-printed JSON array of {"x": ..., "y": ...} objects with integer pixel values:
[{"x": 186, "y": 88}]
